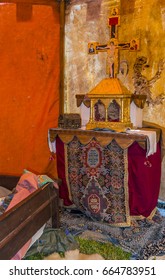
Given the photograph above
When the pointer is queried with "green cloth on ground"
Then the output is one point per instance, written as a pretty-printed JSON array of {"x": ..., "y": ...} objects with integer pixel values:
[{"x": 52, "y": 240}]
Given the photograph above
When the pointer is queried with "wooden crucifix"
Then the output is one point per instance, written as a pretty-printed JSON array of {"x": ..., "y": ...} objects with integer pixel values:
[{"x": 113, "y": 47}]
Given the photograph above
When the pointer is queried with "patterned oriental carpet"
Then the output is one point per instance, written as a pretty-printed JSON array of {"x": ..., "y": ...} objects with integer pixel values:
[
  {"x": 95, "y": 188},
  {"x": 144, "y": 238}
]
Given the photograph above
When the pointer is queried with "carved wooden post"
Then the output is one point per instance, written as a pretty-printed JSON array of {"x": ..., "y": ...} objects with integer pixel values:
[{"x": 62, "y": 54}]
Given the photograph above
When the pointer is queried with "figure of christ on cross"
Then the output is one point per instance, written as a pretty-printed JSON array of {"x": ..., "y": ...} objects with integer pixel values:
[
  {"x": 112, "y": 55},
  {"x": 113, "y": 47}
]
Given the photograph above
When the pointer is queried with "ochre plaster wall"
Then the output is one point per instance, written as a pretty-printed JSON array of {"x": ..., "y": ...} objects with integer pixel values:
[{"x": 87, "y": 21}]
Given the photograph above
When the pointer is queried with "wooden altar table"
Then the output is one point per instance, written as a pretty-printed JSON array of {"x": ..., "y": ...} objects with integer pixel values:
[{"x": 107, "y": 175}]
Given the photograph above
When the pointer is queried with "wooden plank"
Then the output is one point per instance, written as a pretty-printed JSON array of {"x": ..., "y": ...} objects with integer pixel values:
[
  {"x": 21, "y": 222},
  {"x": 26, "y": 207},
  {"x": 55, "y": 212},
  {"x": 26, "y": 230},
  {"x": 33, "y": 2},
  {"x": 62, "y": 47}
]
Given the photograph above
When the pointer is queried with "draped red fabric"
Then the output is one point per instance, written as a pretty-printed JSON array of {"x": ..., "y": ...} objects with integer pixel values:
[
  {"x": 144, "y": 180},
  {"x": 29, "y": 86},
  {"x": 63, "y": 190}
]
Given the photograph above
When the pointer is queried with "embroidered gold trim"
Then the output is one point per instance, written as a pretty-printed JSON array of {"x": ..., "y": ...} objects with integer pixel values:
[{"x": 141, "y": 217}]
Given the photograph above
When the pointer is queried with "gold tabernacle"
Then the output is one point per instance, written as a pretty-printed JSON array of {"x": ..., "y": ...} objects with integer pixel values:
[{"x": 110, "y": 106}]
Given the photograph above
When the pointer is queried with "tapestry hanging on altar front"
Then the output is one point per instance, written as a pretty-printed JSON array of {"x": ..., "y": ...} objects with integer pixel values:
[{"x": 98, "y": 180}]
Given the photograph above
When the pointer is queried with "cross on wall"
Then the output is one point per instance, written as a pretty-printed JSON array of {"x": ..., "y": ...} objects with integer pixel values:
[{"x": 114, "y": 46}]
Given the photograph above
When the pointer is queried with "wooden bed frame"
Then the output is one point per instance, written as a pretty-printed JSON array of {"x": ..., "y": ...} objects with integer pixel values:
[{"x": 22, "y": 221}]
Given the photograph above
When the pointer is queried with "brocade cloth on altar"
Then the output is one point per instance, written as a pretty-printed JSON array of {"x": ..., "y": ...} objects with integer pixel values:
[
  {"x": 97, "y": 180},
  {"x": 110, "y": 181}
]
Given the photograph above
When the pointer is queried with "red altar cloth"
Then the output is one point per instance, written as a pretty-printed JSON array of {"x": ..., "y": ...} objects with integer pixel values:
[{"x": 143, "y": 178}]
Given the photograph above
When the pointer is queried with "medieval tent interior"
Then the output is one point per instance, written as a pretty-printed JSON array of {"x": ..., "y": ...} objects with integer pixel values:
[{"x": 83, "y": 100}]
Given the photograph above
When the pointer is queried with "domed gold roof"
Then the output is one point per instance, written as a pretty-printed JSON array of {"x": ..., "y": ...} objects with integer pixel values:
[{"x": 109, "y": 86}]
